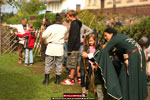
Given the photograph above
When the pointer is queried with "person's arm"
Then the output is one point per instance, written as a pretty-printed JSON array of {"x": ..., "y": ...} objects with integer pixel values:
[
  {"x": 46, "y": 33},
  {"x": 10, "y": 25},
  {"x": 88, "y": 30},
  {"x": 22, "y": 35}
]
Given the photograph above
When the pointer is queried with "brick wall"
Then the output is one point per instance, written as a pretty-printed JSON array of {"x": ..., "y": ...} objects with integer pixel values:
[{"x": 134, "y": 10}]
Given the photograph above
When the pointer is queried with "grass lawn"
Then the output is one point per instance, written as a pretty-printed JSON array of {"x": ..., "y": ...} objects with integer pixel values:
[{"x": 18, "y": 82}]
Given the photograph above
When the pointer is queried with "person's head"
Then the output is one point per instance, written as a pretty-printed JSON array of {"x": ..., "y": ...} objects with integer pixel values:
[
  {"x": 144, "y": 42},
  {"x": 59, "y": 18},
  {"x": 109, "y": 33},
  {"x": 131, "y": 22},
  {"x": 67, "y": 17},
  {"x": 24, "y": 22},
  {"x": 44, "y": 20},
  {"x": 91, "y": 40},
  {"x": 71, "y": 15},
  {"x": 30, "y": 26},
  {"x": 111, "y": 20},
  {"x": 117, "y": 19}
]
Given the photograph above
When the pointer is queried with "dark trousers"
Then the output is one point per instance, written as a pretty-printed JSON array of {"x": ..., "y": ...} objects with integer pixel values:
[
  {"x": 43, "y": 49},
  {"x": 85, "y": 78}
]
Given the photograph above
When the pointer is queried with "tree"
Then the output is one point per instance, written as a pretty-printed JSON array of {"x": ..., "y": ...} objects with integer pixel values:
[{"x": 31, "y": 7}]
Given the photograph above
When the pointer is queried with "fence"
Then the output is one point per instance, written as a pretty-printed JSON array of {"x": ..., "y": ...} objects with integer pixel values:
[{"x": 9, "y": 41}]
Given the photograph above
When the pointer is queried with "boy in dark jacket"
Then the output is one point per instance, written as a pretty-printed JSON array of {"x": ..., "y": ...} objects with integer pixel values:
[
  {"x": 29, "y": 44},
  {"x": 73, "y": 46}
]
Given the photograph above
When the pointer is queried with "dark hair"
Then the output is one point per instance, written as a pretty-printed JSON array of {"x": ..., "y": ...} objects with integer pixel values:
[
  {"x": 58, "y": 18},
  {"x": 110, "y": 30}
]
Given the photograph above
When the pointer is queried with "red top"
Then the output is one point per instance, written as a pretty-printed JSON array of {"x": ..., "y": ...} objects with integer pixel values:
[{"x": 29, "y": 38}]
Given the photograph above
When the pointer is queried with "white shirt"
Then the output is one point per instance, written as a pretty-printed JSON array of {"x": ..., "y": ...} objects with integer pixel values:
[
  {"x": 20, "y": 30},
  {"x": 54, "y": 35}
]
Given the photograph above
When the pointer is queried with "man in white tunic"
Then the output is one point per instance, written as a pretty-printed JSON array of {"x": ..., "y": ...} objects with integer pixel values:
[
  {"x": 54, "y": 35},
  {"x": 21, "y": 29}
]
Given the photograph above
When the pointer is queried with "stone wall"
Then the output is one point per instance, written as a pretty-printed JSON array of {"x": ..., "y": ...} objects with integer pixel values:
[{"x": 134, "y": 10}]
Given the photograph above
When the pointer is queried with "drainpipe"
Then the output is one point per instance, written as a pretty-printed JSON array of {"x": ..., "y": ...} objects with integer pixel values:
[
  {"x": 0, "y": 32},
  {"x": 114, "y": 6}
]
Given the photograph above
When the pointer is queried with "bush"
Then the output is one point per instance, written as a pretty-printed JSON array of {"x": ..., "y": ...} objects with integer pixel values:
[{"x": 38, "y": 22}]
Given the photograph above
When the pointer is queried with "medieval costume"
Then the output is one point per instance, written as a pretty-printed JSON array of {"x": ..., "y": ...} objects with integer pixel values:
[{"x": 131, "y": 82}]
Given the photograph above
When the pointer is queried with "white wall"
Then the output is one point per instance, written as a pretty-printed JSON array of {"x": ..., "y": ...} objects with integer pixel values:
[
  {"x": 71, "y": 4},
  {"x": 57, "y": 7}
]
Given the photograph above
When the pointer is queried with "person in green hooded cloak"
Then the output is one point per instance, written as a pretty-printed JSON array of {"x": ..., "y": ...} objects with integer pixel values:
[{"x": 130, "y": 84}]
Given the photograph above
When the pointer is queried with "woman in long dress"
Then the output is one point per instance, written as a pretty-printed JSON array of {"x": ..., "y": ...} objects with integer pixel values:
[{"x": 131, "y": 82}]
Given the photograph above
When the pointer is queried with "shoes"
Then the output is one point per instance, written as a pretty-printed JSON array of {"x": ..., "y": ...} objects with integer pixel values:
[
  {"x": 46, "y": 80},
  {"x": 25, "y": 64},
  {"x": 57, "y": 79},
  {"x": 84, "y": 95},
  {"x": 78, "y": 79},
  {"x": 19, "y": 62},
  {"x": 68, "y": 82},
  {"x": 31, "y": 64},
  {"x": 84, "y": 92}
]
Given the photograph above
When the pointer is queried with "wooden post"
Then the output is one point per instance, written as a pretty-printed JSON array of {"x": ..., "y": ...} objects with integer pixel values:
[
  {"x": 0, "y": 32},
  {"x": 114, "y": 6}
]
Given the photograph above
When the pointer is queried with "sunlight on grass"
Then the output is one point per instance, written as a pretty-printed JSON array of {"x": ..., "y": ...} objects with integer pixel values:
[{"x": 25, "y": 83}]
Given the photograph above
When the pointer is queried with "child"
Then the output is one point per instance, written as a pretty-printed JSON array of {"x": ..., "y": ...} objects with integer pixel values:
[
  {"x": 86, "y": 65},
  {"x": 29, "y": 44}
]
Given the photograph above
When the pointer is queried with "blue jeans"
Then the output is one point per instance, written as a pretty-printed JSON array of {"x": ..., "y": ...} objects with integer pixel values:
[{"x": 27, "y": 53}]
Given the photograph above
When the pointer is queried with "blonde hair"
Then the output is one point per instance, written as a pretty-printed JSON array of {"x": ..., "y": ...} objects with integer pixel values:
[{"x": 91, "y": 36}]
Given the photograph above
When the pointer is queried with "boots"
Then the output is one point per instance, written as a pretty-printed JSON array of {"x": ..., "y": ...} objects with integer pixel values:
[
  {"x": 57, "y": 79},
  {"x": 46, "y": 80}
]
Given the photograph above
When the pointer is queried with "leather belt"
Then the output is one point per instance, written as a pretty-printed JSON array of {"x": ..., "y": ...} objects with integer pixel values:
[
  {"x": 132, "y": 51},
  {"x": 81, "y": 43}
]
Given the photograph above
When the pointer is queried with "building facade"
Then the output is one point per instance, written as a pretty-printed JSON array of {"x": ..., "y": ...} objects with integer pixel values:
[
  {"x": 58, "y": 6},
  {"x": 125, "y": 3},
  {"x": 98, "y": 4}
]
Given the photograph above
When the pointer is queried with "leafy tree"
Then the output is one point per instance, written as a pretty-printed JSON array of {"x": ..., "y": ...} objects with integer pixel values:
[{"x": 31, "y": 7}]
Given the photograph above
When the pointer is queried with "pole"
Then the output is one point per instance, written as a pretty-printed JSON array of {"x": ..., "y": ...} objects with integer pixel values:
[
  {"x": 0, "y": 31},
  {"x": 114, "y": 6}
]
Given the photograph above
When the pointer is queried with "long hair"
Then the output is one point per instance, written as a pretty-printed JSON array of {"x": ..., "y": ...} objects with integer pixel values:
[{"x": 91, "y": 36}]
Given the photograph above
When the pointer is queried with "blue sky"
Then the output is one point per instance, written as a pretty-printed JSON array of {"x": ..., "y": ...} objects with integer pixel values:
[{"x": 8, "y": 9}]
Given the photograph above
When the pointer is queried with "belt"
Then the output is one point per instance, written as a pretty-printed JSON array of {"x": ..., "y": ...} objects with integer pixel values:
[
  {"x": 132, "y": 51},
  {"x": 81, "y": 43}
]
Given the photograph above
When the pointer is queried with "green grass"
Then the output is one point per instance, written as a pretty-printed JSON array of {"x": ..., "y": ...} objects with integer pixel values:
[{"x": 18, "y": 82}]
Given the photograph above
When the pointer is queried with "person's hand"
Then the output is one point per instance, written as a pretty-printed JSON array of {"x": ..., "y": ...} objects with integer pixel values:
[
  {"x": 5, "y": 24},
  {"x": 94, "y": 66},
  {"x": 85, "y": 55},
  {"x": 15, "y": 33},
  {"x": 84, "y": 35}
]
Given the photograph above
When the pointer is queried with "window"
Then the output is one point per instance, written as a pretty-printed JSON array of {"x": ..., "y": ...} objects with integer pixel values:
[
  {"x": 129, "y": 1},
  {"x": 94, "y": 3},
  {"x": 143, "y": 0},
  {"x": 109, "y": 1},
  {"x": 78, "y": 7},
  {"x": 89, "y": 2},
  {"x": 118, "y": 1}
]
